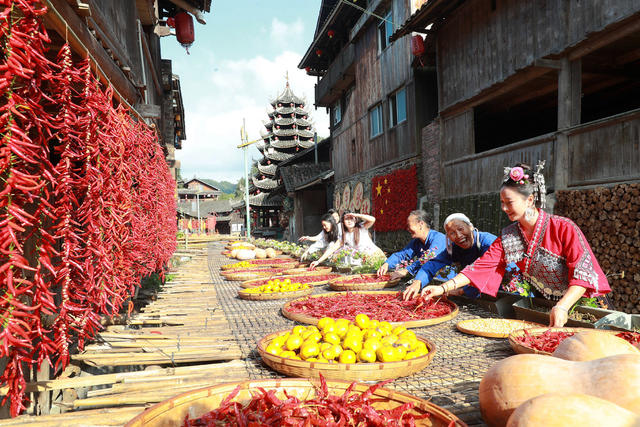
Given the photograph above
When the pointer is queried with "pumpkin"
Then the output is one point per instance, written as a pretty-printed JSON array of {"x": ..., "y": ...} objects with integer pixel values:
[
  {"x": 271, "y": 253},
  {"x": 243, "y": 254},
  {"x": 512, "y": 381},
  {"x": 590, "y": 345},
  {"x": 260, "y": 253},
  {"x": 555, "y": 409}
]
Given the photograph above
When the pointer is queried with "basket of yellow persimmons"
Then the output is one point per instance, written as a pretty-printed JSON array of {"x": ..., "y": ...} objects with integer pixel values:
[
  {"x": 364, "y": 350},
  {"x": 276, "y": 289}
]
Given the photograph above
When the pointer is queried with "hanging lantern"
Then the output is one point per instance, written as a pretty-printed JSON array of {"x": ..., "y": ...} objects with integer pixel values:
[
  {"x": 268, "y": 162},
  {"x": 417, "y": 45},
  {"x": 297, "y": 148},
  {"x": 291, "y": 105},
  {"x": 184, "y": 29},
  {"x": 307, "y": 69},
  {"x": 319, "y": 52},
  {"x": 279, "y": 116},
  {"x": 277, "y": 127},
  {"x": 331, "y": 33},
  {"x": 171, "y": 22}
]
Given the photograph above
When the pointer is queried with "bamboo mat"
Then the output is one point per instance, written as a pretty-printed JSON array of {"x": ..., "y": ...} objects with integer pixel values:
[{"x": 184, "y": 325}]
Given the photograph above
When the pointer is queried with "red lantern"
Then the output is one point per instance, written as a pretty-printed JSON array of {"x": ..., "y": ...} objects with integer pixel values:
[
  {"x": 307, "y": 69},
  {"x": 319, "y": 52},
  {"x": 184, "y": 29},
  {"x": 417, "y": 45},
  {"x": 331, "y": 33},
  {"x": 171, "y": 22}
]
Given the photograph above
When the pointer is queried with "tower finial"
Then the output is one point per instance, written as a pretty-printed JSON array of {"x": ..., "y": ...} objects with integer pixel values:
[{"x": 287, "y": 77}]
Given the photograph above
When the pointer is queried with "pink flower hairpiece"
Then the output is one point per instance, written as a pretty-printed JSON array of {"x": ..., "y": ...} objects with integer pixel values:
[{"x": 516, "y": 174}]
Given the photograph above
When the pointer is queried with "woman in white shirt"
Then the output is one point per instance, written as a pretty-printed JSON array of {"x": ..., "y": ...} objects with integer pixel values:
[
  {"x": 355, "y": 234},
  {"x": 329, "y": 236}
]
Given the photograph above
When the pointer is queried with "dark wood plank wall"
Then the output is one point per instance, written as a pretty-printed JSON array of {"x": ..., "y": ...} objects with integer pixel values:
[
  {"x": 483, "y": 173},
  {"x": 121, "y": 18},
  {"x": 479, "y": 47},
  {"x": 589, "y": 163},
  {"x": 457, "y": 136},
  {"x": 377, "y": 76}
]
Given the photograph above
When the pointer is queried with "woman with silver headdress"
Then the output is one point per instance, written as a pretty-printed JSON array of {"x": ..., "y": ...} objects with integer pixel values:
[{"x": 550, "y": 251}]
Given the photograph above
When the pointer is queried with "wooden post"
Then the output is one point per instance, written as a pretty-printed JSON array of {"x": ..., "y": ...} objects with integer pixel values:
[{"x": 569, "y": 110}]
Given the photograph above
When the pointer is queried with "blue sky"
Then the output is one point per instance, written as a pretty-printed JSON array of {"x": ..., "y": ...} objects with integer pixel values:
[{"x": 236, "y": 65}]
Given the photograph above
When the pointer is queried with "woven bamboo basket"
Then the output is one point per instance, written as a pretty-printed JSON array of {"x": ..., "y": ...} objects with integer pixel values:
[
  {"x": 274, "y": 295},
  {"x": 305, "y": 270},
  {"x": 373, "y": 285},
  {"x": 196, "y": 403},
  {"x": 522, "y": 349},
  {"x": 281, "y": 276},
  {"x": 467, "y": 326},
  {"x": 310, "y": 320},
  {"x": 377, "y": 371},
  {"x": 246, "y": 275}
]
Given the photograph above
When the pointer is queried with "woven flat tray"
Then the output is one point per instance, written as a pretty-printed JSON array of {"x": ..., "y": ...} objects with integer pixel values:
[
  {"x": 303, "y": 318},
  {"x": 257, "y": 282},
  {"x": 522, "y": 349},
  {"x": 243, "y": 294},
  {"x": 305, "y": 270},
  {"x": 377, "y": 371},
  {"x": 196, "y": 403},
  {"x": 493, "y": 328},
  {"x": 337, "y": 285}
]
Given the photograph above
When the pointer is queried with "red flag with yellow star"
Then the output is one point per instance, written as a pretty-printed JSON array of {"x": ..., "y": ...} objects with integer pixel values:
[{"x": 394, "y": 195}]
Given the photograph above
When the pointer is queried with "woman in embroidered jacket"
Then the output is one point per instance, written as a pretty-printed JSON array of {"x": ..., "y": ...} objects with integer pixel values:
[{"x": 551, "y": 251}]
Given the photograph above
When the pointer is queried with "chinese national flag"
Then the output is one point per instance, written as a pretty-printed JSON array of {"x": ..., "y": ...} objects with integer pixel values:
[{"x": 394, "y": 195}]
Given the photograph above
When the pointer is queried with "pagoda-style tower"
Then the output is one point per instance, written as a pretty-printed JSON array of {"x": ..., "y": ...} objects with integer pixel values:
[{"x": 287, "y": 132}]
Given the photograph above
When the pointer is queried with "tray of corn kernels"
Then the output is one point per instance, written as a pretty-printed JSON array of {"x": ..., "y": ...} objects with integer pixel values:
[{"x": 493, "y": 328}]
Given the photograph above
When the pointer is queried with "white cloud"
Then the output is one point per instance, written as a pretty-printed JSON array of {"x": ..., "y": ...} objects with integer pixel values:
[
  {"x": 235, "y": 90},
  {"x": 283, "y": 33}
]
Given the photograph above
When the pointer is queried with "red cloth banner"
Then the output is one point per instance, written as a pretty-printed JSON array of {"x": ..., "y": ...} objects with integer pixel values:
[{"x": 394, "y": 195}]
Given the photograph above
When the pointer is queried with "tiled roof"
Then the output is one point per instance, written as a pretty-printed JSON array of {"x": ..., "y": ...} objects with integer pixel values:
[
  {"x": 299, "y": 174},
  {"x": 190, "y": 207}
]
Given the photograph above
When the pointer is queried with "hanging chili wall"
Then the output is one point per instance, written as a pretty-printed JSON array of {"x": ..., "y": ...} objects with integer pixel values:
[
  {"x": 87, "y": 202},
  {"x": 394, "y": 196}
]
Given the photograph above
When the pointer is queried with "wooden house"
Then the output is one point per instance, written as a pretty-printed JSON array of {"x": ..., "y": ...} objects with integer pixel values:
[
  {"x": 122, "y": 38},
  {"x": 521, "y": 80},
  {"x": 199, "y": 188},
  {"x": 370, "y": 89}
]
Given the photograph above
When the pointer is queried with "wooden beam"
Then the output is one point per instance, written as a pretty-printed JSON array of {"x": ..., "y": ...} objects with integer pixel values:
[
  {"x": 491, "y": 92},
  {"x": 631, "y": 56},
  {"x": 606, "y": 37},
  {"x": 149, "y": 111},
  {"x": 548, "y": 63},
  {"x": 63, "y": 19}
]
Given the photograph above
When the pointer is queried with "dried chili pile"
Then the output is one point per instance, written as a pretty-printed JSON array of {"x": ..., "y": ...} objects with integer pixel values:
[
  {"x": 86, "y": 206},
  {"x": 298, "y": 278},
  {"x": 632, "y": 337},
  {"x": 389, "y": 307},
  {"x": 363, "y": 278},
  {"x": 349, "y": 409},
  {"x": 547, "y": 341}
]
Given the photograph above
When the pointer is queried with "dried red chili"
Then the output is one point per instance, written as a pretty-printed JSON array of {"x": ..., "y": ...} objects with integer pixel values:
[
  {"x": 381, "y": 306},
  {"x": 349, "y": 409}
]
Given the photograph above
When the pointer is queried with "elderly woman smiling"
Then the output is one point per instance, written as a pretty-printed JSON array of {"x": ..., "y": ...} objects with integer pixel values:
[{"x": 465, "y": 244}]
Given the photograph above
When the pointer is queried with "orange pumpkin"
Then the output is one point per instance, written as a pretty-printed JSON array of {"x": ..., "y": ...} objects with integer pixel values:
[{"x": 513, "y": 380}]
